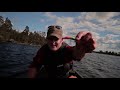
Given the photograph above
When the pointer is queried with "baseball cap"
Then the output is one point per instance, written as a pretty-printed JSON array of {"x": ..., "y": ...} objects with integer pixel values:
[{"x": 55, "y": 30}]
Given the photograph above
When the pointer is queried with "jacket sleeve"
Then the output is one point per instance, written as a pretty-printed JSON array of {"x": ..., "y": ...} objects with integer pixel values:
[
  {"x": 70, "y": 53},
  {"x": 37, "y": 59}
]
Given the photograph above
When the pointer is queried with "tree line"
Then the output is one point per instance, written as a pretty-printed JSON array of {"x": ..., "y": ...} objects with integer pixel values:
[
  {"x": 7, "y": 33},
  {"x": 108, "y": 52}
]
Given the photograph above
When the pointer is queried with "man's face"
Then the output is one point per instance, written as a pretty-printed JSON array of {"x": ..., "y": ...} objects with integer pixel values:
[{"x": 54, "y": 43}]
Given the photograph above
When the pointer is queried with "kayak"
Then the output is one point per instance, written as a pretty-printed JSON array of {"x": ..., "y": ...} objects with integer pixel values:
[{"x": 42, "y": 74}]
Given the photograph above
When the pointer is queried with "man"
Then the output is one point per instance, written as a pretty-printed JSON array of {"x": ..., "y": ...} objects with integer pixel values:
[{"x": 57, "y": 57}]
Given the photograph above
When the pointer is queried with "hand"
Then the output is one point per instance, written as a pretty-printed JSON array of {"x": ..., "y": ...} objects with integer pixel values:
[
  {"x": 85, "y": 40},
  {"x": 72, "y": 76},
  {"x": 84, "y": 44}
]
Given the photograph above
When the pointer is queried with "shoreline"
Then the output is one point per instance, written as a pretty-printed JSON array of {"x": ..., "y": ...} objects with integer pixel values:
[{"x": 20, "y": 43}]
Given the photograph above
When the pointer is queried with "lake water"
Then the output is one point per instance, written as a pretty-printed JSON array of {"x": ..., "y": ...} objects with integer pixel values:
[{"x": 15, "y": 58}]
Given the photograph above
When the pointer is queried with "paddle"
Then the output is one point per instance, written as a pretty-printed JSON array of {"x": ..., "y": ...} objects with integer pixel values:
[{"x": 68, "y": 37}]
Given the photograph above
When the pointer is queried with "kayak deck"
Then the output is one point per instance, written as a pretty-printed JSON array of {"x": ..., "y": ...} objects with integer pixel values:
[{"x": 43, "y": 74}]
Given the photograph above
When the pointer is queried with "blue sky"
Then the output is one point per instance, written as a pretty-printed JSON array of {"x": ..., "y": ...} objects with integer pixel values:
[{"x": 105, "y": 26}]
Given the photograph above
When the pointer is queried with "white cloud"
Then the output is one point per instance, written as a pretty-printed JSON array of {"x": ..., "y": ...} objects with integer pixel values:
[
  {"x": 103, "y": 16},
  {"x": 42, "y": 20},
  {"x": 109, "y": 38},
  {"x": 50, "y": 15},
  {"x": 115, "y": 29},
  {"x": 100, "y": 16},
  {"x": 108, "y": 43}
]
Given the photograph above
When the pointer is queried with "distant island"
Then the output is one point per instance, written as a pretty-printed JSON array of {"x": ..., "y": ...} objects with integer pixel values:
[{"x": 108, "y": 52}]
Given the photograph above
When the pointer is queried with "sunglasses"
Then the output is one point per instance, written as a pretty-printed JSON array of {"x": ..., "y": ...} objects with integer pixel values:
[{"x": 58, "y": 27}]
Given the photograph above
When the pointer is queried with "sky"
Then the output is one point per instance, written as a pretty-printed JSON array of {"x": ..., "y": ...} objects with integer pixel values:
[{"x": 104, "y": 26}]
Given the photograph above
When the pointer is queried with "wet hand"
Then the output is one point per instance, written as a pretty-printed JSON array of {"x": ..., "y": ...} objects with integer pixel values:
[
  {"x": 85, "y": 40},
  {"x": 84, "y": 44},
  {"x": 72, "y": 76}
]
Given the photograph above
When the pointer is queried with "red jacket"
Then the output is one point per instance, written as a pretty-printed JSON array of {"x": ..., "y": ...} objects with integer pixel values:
[{"x": 56, "y": 63}]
